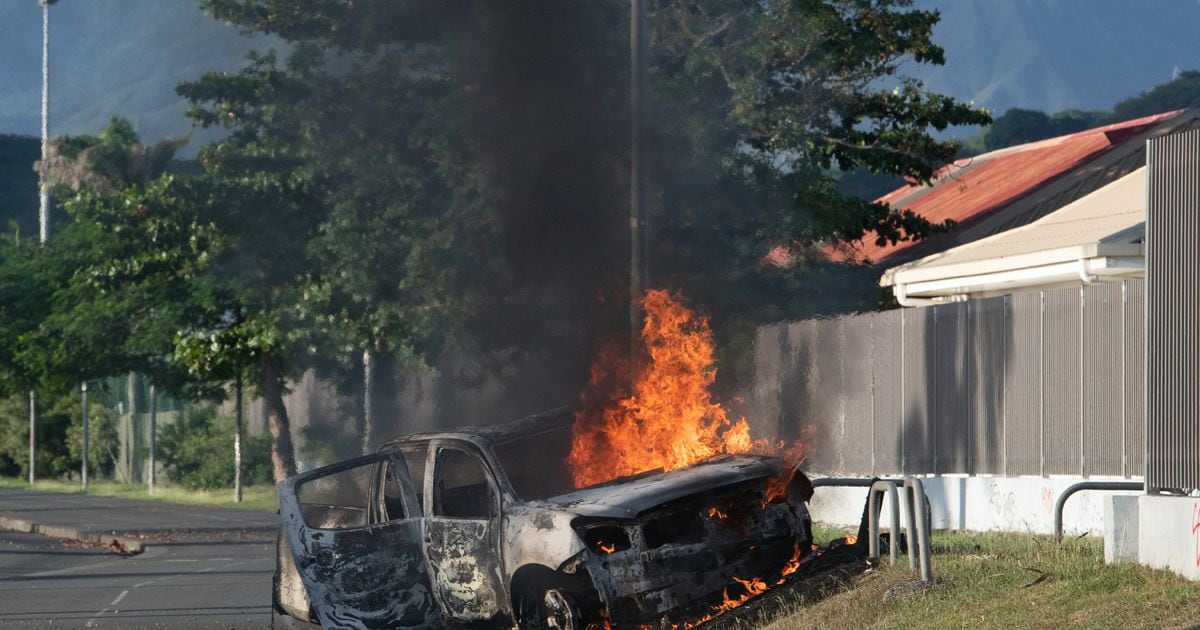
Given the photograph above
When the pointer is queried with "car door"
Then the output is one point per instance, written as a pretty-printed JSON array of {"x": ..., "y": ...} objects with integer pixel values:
[
  {"x": 461, "y": 529},
  {"x": 355, "y": 533}
]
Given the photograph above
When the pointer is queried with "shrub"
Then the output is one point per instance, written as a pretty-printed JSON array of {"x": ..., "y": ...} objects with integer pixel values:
[
  {"x": 59, "y": 437},
  {"x": 197, "y": 451}
]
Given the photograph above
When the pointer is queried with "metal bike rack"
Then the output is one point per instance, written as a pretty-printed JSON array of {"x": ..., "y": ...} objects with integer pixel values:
[
  {"x": 1061, "y": 503},
  {"x": 873, "y": 519},
  {"x": 916, "y": 522},
  {"x": 850, "y": 482},
  {"x": 918, "y": 544}
]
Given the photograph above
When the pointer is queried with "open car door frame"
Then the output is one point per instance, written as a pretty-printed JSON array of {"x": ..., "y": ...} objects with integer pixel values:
[{"x": 366, "y": 574}]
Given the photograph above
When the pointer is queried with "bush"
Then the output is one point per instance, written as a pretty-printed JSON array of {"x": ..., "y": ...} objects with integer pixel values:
[
  {"x": 59, "y": 437},
  {"x": 197, "y": 451}
]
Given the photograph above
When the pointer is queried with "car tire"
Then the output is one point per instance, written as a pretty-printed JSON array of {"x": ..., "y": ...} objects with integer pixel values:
[
  {"x": 284, "y": 621},
  {"x": 548, "y": 605}
]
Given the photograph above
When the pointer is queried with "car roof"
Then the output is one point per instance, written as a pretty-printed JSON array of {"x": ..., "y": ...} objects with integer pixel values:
[{"x": 496, "y": 433}]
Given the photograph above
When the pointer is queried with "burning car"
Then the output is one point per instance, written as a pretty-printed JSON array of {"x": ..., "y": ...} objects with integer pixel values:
[{"x": 485, "y": 527}]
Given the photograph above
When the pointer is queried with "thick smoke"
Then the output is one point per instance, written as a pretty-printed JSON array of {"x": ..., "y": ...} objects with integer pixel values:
[{"x": 546, "y": 91}]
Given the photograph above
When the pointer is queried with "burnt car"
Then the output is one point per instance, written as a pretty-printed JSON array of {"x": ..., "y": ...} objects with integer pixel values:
[{"x": 484, "y": 528}]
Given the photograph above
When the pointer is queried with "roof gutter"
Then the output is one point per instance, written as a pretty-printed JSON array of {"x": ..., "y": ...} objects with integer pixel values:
[{"x": 955, "y": 289}]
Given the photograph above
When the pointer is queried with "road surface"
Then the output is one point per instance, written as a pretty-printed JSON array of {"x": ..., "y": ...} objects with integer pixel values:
[{"x": 201, "y": 567}]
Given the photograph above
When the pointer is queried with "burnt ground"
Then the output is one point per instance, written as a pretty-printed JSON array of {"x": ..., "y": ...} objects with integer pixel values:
[
  {"x": 829, "y": 571},
  {"x": 820, "y": 577}
]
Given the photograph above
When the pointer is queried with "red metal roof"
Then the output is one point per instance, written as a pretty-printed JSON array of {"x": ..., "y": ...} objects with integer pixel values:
[{"x": 971, "y": 188}]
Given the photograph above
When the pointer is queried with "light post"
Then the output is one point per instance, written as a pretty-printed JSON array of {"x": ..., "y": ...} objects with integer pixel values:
[
  {"x": 83, "y": 470},
  {"x": 152, "y": 477},
  {"x": 43, "y": 199},
  {"x": 637, "y": 50}
]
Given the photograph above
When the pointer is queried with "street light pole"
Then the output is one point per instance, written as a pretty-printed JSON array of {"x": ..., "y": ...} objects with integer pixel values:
[
  {"x": 152, "y": 478},
  {"x": 43, "y": 194},
  {"x": 32, "y": 435},
  {"x": 83, "y": 470},
  {"x": 637, "y": 46}
]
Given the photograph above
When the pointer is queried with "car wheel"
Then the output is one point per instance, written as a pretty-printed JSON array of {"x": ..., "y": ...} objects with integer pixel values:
[
  {"x": 545, "y": 604},
  {"x": 558, "y": 610}
]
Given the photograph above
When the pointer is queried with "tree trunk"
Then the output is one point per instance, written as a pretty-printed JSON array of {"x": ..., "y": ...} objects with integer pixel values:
[{"x": 283, "y": 457}]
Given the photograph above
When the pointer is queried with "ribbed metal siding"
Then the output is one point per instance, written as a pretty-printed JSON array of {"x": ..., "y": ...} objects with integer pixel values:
[
  {"x": 919, "y": 391},
  {"x": 886, "y": 379},
  {"x": 1173, "y": 312},
  {"x": 810, "y": 403},
  {"x": 1023, "y": 386},
  {"x": 1062, "y": 393},
  {"x": 952, "y": 375},
  {"x": 988, "y": 386},
  {"x": 762, "y": 409},
  {"x": 1103, "y": 392},
  {"x": 1134, "y": 374},
  {"x": 858, "y": 357},
  {"x": 989, "y": 327}
]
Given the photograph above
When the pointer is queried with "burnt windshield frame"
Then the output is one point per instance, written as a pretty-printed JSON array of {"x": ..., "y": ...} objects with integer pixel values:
[{"x": 523, "y": 461}]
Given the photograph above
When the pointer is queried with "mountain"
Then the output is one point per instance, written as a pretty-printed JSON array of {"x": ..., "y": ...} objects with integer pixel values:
[
  {"x": 124, "y": 57},
  {"x": 1053, "y": 55},
  {"x": 111, "y": 57}
]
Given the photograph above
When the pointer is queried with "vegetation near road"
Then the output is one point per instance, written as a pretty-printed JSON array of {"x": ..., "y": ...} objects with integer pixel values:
[
  {"x": 1008, "y": 581},
  {"x": 259, "y": 497}
]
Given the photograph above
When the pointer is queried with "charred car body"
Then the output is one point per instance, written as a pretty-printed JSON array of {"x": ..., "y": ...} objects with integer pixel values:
[{"x": 483, "y": 527}]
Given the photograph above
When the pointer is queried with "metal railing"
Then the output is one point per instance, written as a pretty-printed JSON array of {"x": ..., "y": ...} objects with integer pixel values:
[
  {"x": 916, "y": 520},
  {"x": 1087, "y": 485}
]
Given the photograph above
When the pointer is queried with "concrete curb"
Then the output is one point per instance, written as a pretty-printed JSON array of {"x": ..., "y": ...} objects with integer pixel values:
[{"x": 129, "y": 545}]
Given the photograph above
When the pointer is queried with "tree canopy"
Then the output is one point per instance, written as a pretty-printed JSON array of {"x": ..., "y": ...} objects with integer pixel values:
[{"x": 416, "y": 175}]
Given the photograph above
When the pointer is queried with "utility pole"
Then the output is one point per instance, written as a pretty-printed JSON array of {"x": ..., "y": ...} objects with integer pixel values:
[
  {"x": 43, "y": 193},
  {"x": 32, "y": 434},
  {"x": 43, "y": 199},
  {"x": 83, "y": 471},
  {"x": 237, "y": 439},
  {"x": 637, "y": 49},
  {"x": 368, "y": 402},
  {"x": 152, "y": 478}
]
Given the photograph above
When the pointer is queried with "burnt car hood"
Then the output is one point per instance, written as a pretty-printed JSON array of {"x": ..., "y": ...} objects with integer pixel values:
[{"x": 627, "y": 499}]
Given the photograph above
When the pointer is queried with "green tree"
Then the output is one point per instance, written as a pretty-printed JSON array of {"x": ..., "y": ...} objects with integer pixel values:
[
  {"x": 195, "y": 451},
  {"x": 1178, "y": 93},
  {"x": 511, "y": 119}
]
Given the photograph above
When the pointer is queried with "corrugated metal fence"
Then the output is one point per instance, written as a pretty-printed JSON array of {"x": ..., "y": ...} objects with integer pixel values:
[
  {"x": 1173, "y": 307},
  {"x": 1045, "y": 383}
]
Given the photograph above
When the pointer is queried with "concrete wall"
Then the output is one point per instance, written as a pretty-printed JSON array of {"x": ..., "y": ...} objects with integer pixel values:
[
  {"x": 1015, "y": 504},
  {"x": 1169, "y": 534}
]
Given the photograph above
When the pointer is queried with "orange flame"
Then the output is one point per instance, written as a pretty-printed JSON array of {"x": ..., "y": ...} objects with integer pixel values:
[
  {"x": 717, "y": 513},
  {"x": 791, "y": 565},
  {"x": 610, "y": 548},
  {"x": 669, "y": 419},
  {"x": 851, "y": 539}
]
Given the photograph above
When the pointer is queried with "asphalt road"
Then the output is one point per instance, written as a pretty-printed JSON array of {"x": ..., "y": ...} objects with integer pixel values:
[{"x": 47, "y": 582}]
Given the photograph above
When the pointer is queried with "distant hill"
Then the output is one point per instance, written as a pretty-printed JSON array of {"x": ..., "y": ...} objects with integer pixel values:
[
  {"x": 124, "y": 57},
  {"x": 113, "y": 57},
  {"x": 1054, "y": 55}
]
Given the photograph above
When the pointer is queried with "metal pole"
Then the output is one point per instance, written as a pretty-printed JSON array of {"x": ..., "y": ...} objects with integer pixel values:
[
  {"x": 873, "y": 510},
  {"x": 918, "y": 539},
  {"x": 32, "y": 435},
  {"x": 83, "y": 470},
  {"x": 1110, "y": 486},
  {"x": 637, "y": 19},
  {"x": 368, "y": 402},
  {"x": 152, "y": 478},
  {"x": 237, "y": 440},
  {"x": 43, "y": 194}
]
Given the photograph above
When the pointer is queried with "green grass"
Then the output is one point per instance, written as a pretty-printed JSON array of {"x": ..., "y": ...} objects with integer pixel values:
[
  {"x": 258, "y": 497},
  {"x": 987, "y": 581}
]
